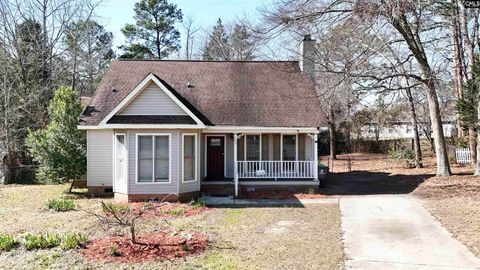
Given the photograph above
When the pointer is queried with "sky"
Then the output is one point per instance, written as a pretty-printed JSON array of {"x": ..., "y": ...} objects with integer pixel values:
[{"x": 114, "y": 14}]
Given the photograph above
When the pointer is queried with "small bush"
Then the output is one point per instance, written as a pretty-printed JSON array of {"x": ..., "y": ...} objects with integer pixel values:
[
  {"x": 113, "y": 251},
  {"x": 47, "y": 240},
  {"x": 61, "y": 204},
  {"x": 7, "y": 242},
  {"x": 115, "y": 208},
  {"x": 174, "y": 212},
  {"x": 198, "y": 203},
  {"x": 404, "y": 156},
  {"x": 72, "y": 240}
]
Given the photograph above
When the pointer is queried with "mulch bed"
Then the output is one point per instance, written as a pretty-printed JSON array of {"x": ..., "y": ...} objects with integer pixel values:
[
  {"x": 153, "y": 246},
  {"x": 280, "y": 195}
]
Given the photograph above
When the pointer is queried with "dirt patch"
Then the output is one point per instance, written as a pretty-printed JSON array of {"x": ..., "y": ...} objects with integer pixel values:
[
  {"x": 150, "y": 247},
  {"x": 281, "y": 195}
]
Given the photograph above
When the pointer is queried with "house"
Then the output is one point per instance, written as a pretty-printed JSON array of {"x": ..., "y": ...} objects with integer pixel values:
[
  {"x": 402, "y": 130},
  {"x": 156, "y": 128}
]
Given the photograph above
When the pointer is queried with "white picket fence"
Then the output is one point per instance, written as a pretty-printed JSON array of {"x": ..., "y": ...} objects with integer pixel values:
[{"x": 463, "y": 156}]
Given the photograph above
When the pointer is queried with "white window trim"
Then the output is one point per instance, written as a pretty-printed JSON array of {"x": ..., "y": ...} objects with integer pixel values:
[
  {"x": 224, "y": 154},
  {"x": 195, "y": 157},
  {"x": 153, "y": 155}
]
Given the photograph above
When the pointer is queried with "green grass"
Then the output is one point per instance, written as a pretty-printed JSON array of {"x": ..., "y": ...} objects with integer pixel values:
[
  {"x": 7, "y": 242},
  {"x": 61, "y": 204}
]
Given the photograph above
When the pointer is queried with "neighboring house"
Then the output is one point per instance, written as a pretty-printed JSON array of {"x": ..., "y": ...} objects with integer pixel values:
[
  {"x": 401, "y": 130},
  {"x": 155, "y": 128}
]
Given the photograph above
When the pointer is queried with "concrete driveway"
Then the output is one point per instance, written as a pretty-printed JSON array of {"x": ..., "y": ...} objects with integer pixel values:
[{"x": 396, "y": 232}]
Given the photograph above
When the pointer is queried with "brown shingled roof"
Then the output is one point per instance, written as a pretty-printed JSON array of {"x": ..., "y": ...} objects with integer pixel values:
[{"x": 252, "y": 93}]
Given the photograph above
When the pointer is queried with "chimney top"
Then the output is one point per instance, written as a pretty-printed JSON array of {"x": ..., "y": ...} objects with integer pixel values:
[{"x": 307, "y": 37}]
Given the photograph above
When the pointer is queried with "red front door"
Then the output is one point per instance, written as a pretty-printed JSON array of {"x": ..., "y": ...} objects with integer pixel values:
[{"x": 215, "y": 158}]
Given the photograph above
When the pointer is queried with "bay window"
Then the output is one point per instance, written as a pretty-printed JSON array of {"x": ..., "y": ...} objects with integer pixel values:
[{"x": 153, "y": 164}]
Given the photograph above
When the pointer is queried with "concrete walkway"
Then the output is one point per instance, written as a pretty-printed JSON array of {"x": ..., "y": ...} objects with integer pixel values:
[{"x": 396, "y": 232}]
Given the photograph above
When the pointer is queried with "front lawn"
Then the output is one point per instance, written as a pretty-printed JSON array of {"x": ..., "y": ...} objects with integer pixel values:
[{"x": 239, "y": 238}]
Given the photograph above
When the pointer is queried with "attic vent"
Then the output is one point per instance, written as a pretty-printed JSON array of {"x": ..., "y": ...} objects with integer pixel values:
[
  {"x": 189, "y": 85},
  {"x": 113, "y": 89}
]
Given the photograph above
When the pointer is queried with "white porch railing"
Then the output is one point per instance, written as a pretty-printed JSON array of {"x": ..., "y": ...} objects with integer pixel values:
[
  {"x": 276, "y": 169},
  {"x": 463, "y": 156}
]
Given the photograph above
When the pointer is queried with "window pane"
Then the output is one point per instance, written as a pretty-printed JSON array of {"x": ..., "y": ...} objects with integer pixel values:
[
  {"x": 161, "y": 146},
  {"x": 189, "y": 158},
  {"x": 120, "y": 145},
  {"x": 161, "y": 159},
  {"x": 145, "y": 159},
  {"x": 265, "y": 147},
  {"x": 301, "y": 146},
  {"x": 289, "y": 145},
  {"x": 276, "y": 147},
  {"x": 145, "y": 170},
  {"x": 240, "y": 148},
  {"x": 145, "y": 146},
  {"x": 161, "y": 170},
  {"x": 253, "y": 147}
]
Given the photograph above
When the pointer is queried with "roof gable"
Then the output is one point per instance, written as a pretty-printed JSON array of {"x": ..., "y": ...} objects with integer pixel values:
[
  {"x": 152, "y": 101},
  {"x": 149, "y": 98}
]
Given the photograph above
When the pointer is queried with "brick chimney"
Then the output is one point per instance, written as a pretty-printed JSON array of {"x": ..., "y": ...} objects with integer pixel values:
[{"x": 307, "y": 55}]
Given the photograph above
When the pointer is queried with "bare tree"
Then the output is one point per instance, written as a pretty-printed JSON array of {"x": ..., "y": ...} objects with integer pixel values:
[
  {"x": 190, "y": 34},
  {"x": 408, "y": 25}
]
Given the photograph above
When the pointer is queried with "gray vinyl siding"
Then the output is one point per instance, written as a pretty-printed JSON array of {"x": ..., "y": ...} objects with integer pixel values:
[
  {"x": 99, "y": 157},
  {"x": 152, "y": 101},
  {"x": 153, "y": 188},
  {"x": 193, "y": 185}
]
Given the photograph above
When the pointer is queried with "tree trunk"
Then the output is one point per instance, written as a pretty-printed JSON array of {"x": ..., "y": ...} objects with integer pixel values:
[
  {"x": 472, "y": 143},
  {"x": 477, "y": 167},
  {"x": 132, "y": 233},
  {"x": 443, "y": 167},
  {"x": 457, "y": 62},
  {"x": 333, "y": 143},
  {"x": 416, "y": 136}
]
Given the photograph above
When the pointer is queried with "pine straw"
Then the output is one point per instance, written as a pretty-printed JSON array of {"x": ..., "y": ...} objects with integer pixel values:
[{"x": 150, "y": 247}]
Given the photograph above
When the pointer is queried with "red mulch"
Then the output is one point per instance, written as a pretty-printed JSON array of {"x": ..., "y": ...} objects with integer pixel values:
[
  {"x": 280, "y": 195},
  {"x": 154, "y": 246},
  {"x": 163, "y": 210}
]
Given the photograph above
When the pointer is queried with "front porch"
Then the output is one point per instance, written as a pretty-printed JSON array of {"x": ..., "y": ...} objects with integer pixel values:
[{"x": 261, "y": 159}]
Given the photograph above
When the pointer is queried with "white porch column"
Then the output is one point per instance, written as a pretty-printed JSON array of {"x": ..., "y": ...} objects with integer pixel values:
[
  {"x": 315, "y": 156},
  {"x": 235, "y": 163}
]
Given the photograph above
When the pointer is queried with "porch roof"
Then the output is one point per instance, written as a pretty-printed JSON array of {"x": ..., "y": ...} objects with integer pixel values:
[{"x": 250, "y": 93}]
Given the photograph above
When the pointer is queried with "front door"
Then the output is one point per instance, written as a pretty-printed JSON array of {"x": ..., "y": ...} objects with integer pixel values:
[{"x": 215, "y": 157}]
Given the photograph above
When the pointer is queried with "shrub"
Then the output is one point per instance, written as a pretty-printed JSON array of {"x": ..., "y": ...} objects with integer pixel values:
[
  {"x": 7, "y": 242},
  {"x": 61, "y": 204},
  {"x": 198, "y": 203},
  {"x": 72, "y": 240},
  {"x": 113, "y": 251},
  {"x": 47, "y": 240},
  {"x": 174, "y": 212},
  {"x": 116, "y": 208},
  {"x": 404, "y": 156}
]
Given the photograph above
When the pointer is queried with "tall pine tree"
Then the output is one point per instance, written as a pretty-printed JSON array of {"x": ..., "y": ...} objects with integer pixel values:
[{"x": 153, "y": 35}]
